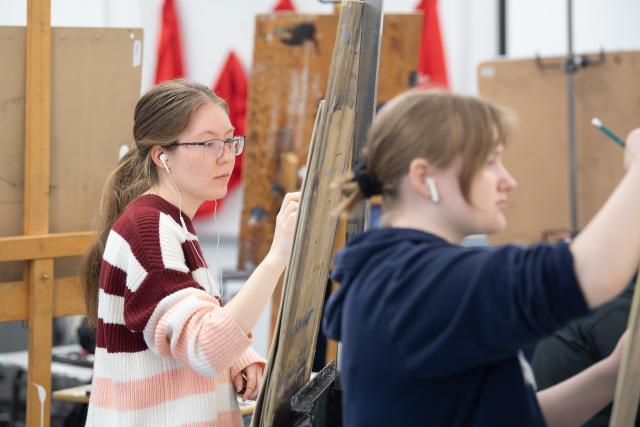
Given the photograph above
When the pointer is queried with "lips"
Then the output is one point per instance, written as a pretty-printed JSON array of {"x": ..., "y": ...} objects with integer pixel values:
[
  {"x": 223, "y": 176},
  {"x": 502, "y": 204}
]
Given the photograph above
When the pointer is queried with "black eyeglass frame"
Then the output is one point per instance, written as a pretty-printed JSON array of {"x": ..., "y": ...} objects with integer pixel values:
[{"x": 239, "y": 140}]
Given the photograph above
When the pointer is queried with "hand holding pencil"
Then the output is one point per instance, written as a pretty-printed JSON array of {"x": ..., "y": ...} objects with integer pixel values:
[
  {"x": 632, "y": 146},
  {"x": 632, "y": 150}
]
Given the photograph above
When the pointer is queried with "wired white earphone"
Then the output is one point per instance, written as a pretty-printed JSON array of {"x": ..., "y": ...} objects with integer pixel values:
[
  {"x": 163, "y": 159},
  {"x": 435, "y": 197}
]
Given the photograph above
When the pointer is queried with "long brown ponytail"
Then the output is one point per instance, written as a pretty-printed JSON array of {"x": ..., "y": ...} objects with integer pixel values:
[{"x": 159, "y": 118}]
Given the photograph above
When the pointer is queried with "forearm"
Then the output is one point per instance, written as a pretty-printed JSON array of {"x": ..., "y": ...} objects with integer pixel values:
[
  {"x": 607, "y": 251},
  {"x": 248, "y": 304},
  {"x": 577, "y": 399}
]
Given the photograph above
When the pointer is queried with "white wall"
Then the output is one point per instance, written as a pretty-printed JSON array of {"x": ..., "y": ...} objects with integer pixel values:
[
  {"x": 211, "y": 28},
  {"x": 540, "y": 26}
]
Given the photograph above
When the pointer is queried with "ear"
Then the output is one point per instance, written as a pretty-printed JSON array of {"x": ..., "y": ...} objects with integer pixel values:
[
  {"x": 155, "y": 153},
  {"x": 419, "y": 170}
]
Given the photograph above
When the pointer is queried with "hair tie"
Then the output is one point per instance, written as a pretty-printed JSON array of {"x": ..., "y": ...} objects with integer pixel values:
[{"x": 368, "y": 184}]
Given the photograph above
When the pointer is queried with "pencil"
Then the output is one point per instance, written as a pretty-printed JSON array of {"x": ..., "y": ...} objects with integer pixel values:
[{"x": 597, "y": 123}]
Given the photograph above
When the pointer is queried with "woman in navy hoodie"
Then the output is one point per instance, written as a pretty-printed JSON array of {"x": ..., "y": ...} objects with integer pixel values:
[{"x": 431, "y": 331}]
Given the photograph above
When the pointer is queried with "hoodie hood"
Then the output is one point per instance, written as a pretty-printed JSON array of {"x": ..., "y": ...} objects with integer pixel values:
[{"x": 368, "y": 252}]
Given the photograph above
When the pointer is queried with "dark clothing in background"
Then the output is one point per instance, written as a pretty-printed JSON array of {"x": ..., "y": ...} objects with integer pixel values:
[{"x": 582, "y": 343}]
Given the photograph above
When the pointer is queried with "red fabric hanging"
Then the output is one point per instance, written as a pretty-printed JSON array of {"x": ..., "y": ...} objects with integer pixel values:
[
  {"x": 232, "y": 86},
  {"x": 284, "y": 5},
  {"x": 432, "y": 70},
  {"x": 169, "y": 65}
]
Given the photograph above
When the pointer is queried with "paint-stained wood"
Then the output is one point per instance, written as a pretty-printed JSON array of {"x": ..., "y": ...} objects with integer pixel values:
[
  {"x": 330, "y": 152},
  {"x": 290, "y": 164},
  {"x": 292, "y": 55}
]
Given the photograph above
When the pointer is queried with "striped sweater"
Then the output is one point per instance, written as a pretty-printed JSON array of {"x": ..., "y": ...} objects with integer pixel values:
[{"x": 165, "y": 349}]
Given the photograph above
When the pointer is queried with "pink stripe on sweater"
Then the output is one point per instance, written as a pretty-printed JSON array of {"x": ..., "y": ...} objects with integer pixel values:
[
  {"x": 209, "y": 330},
  {"x": 152, "y": 391},
  {"x": 223, "y": 419}
]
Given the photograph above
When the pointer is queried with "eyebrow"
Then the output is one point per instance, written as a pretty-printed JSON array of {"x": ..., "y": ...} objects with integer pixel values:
[{"x": 209, "y": 132}]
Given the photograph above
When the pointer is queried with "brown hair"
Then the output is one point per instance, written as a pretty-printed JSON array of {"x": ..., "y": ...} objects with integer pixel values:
[
  {"x": 434, "y": 125},
  {"x": 160, "y": 116}
]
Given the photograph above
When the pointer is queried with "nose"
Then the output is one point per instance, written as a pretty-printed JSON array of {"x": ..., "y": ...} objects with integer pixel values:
[
  {"x": 507, "y": 182},
  {"x": 226, "y": 155}
]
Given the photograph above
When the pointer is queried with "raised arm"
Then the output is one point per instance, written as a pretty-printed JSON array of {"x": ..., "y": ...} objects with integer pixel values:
[
  {"x": 246, "y": 307},
  {"x": 606, "y": 253}
]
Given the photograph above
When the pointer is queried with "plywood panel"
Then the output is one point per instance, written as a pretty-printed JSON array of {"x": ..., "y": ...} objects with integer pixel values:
[
  {"x": 610, "y": 92},
  {"x": 538, "y": 157},
  {"x": 95, "y": 85}
]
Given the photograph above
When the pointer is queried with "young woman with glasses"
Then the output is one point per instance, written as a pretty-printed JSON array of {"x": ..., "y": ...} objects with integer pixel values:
[{"x": 167, "y": 352}]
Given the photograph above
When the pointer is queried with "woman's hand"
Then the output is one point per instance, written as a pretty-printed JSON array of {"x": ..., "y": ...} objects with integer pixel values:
[
  {"x": 632, "y": 149},
  {"x": 615, "y": 357},
  {"x": 285, "y": 228},
  {"x": 249, "y": 381}
]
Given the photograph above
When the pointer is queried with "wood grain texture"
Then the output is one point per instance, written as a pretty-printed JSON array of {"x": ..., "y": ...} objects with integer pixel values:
[
  {"x": 94, "y": 90},
  {"x": 66, "y": 103},
  {"x": 20, "y": 248},
  {"x": 37, "y": 140},
  {"x": 67, "y": 299},
  {"x": 291, "y": 356}
]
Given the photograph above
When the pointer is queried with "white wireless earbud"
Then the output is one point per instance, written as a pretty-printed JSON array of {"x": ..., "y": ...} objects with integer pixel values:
[
  {"x": 163, "y": 159},
  {"x": 435, "y": 197}
]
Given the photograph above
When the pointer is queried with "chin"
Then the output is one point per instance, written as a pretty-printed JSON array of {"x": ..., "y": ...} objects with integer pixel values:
[
  {"x": 217, "y": 194},
  {"x": 501, "y": 225},
  {"x": 495, "y": 227}
]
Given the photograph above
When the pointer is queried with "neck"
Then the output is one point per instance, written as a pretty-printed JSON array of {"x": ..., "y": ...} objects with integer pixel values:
[
  {"x": 170, "y": 194},
  {"x": 426, "y": 219}
]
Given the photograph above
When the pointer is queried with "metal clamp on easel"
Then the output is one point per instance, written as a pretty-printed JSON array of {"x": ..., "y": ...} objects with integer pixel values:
[{"x": 570, "y": 66}]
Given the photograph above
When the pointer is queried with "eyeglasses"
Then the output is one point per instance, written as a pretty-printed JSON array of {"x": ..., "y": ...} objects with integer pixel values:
[{"x": 214, "y": 148}]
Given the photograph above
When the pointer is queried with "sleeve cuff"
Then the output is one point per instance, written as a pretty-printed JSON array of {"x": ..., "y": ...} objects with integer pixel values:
[{"x": 249, "y": 357}]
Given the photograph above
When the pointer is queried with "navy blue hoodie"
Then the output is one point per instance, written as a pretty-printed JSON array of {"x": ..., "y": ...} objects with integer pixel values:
[{"x": 431, "y": 331}]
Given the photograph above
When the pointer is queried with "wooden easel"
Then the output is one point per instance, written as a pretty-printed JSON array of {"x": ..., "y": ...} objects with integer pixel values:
[
  {"x": 53, "y": 197},
  {"x": 40, "y": 297},
  {"x": 288, "y": 78}
]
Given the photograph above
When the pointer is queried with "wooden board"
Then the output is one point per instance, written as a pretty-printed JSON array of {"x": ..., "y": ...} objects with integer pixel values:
[
  {"x": 287, "y": 83},
  {"x": 538, "y": 157},
  {"x": 37, "y": 138},
  {"x": 63, "y": 117},
  {"x": 94, "y": 88},
  {"x": 330, "y": 152},
  {"x": 627, "y": 394}
]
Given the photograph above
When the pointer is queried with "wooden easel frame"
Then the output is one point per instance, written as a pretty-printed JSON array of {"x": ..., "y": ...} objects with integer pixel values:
[{"x": 39, "y": 297}]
